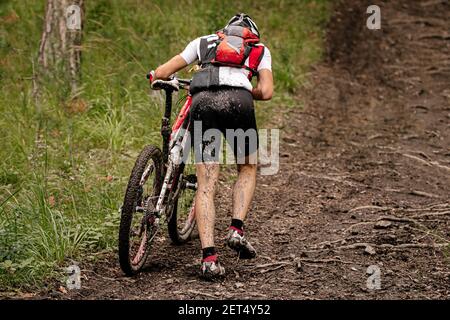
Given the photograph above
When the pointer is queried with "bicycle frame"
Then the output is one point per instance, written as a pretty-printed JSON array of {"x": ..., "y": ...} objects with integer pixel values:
[{"x": 175, "y": 141}]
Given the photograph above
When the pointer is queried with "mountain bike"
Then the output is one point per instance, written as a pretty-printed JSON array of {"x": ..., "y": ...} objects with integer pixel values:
[{"x": 159, "y": 189}]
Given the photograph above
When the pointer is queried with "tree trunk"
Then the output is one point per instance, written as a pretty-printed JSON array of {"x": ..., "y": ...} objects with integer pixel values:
[{"x": 60, "y": 47}]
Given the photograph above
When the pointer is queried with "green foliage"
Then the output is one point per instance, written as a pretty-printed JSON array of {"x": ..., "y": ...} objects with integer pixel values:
[{"x": 64, "y": 166}]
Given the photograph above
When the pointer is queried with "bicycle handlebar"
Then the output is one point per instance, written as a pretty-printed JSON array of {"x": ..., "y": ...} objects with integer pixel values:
[{"x": 173, "y": 84}]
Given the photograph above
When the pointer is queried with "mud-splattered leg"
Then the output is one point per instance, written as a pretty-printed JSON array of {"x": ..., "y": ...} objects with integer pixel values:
[
  {"x": 243, "y": 191},
  {"x": 207, "y": 176}
]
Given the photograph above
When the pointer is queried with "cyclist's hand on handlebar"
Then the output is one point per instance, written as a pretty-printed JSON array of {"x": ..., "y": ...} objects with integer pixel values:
[
  {"x": 158, "y": 84},
  {"x": 151, "y": 76}
]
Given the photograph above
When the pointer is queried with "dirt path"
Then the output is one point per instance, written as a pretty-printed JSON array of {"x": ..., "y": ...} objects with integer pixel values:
[{"x": 365, "y": 179}]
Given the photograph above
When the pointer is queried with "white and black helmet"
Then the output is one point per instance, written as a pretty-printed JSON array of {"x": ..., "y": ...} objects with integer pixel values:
[{"x": 244, "y": 20}]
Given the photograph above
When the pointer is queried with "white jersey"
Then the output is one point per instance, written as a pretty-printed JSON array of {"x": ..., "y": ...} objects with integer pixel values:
[{"x": 228, "y": 76}]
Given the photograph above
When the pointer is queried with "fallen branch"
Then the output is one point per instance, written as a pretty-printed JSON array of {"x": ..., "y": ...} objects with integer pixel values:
[
  {"x": 392, "y": 246},
  {"x": 359, "y": 224},
  {"x": 424, "y": 194},
  {"x": 444, "y": 206},
  {"x": 273, "y": 269},
  {"x": 413, "y": 192},
  {"x": 432, "y": 214},
  {"x": 425, "y": 162},
  {"x": 256, "y": 294},
  {"x": 331, "y": 260},
  {"x": 444, "y": 36},
  {"x": 283, "y": 263},
  {"x": 369, "y": 207},
  {"x": 383, "y": 218},
  {"x": 397, "y": 219},
  {"x": 327, "y": 243},
  {"x": 202, "y": 294},
  {"x": 107, "y": 278}
]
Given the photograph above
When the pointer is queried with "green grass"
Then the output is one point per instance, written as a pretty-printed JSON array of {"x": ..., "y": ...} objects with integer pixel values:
[{"x": 63, "y": 174}]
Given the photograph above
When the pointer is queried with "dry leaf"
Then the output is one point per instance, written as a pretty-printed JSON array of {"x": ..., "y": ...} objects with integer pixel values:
[
  {"x": 51, "y": 201},
  {"x": 62, "y": 290}
]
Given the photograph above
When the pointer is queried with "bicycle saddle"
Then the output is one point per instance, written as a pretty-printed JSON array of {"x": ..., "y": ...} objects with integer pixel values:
[{"x": 168, "y": 85}]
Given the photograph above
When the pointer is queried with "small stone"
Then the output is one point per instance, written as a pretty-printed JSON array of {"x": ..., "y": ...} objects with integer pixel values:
[
  {"x": 298, "y": 265},
  {"x": 239, "y": 285},
  {"x": 369, "y": 250},
  {"x": 383, "y": 224}
]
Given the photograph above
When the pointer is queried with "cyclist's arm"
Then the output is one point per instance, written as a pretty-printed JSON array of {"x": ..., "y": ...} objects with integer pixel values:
[
  {"x": 264, "y": 87},
  {"x": 175, "y": 64}
]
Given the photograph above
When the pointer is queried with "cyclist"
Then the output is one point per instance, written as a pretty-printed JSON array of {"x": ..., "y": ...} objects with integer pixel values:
[{"x": 223, "y": 100}]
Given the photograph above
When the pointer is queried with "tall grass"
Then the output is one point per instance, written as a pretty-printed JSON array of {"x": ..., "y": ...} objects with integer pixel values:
[{"x": 64, "y": 166}]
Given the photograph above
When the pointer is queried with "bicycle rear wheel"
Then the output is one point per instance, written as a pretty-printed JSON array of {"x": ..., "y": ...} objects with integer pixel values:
[{"x": 137, "y": 223}]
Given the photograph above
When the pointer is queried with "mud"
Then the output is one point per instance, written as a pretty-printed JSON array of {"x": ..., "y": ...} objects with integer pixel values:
[{"x": 364, "y": 180}]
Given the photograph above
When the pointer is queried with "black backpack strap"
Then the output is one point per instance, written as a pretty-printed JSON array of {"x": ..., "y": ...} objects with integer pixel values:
[
  {"x": 207, "y": 52},
  {"x": 247, "y": 51}
]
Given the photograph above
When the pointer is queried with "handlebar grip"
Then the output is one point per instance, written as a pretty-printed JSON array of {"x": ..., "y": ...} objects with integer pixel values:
[{"x": 150, "y": 76}]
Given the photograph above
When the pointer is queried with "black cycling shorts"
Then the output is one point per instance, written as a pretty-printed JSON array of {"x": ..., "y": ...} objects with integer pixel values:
[{"x": 227, "y": 111}]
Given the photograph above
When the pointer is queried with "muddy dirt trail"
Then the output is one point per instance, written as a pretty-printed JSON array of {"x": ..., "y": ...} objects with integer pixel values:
[{"x": 364, "y": 179}]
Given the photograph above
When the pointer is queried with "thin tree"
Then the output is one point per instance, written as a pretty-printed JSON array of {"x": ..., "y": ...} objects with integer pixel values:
[{"x": 60, "y": 47}]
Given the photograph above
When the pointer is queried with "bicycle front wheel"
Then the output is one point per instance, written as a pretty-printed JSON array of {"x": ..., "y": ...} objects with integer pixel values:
[{"x": 137, "y": 222}]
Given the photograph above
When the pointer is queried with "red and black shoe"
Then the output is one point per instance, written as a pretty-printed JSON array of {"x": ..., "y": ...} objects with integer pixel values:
[
  {"x": 211, "y": 268},
  {"x": 237, "y": 242}
]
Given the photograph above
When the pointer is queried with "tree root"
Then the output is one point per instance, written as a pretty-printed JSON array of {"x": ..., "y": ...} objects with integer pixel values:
[
  {"x": 427, "y": 163},
  {"x": 394, "y": 247},
  {"x": 331, "y": 260}
]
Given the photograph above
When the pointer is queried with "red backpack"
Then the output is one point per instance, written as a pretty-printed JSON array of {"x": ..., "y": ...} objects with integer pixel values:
[
  {"x": 231, "y": 47},
  {"x": 234, "y": 46}
]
